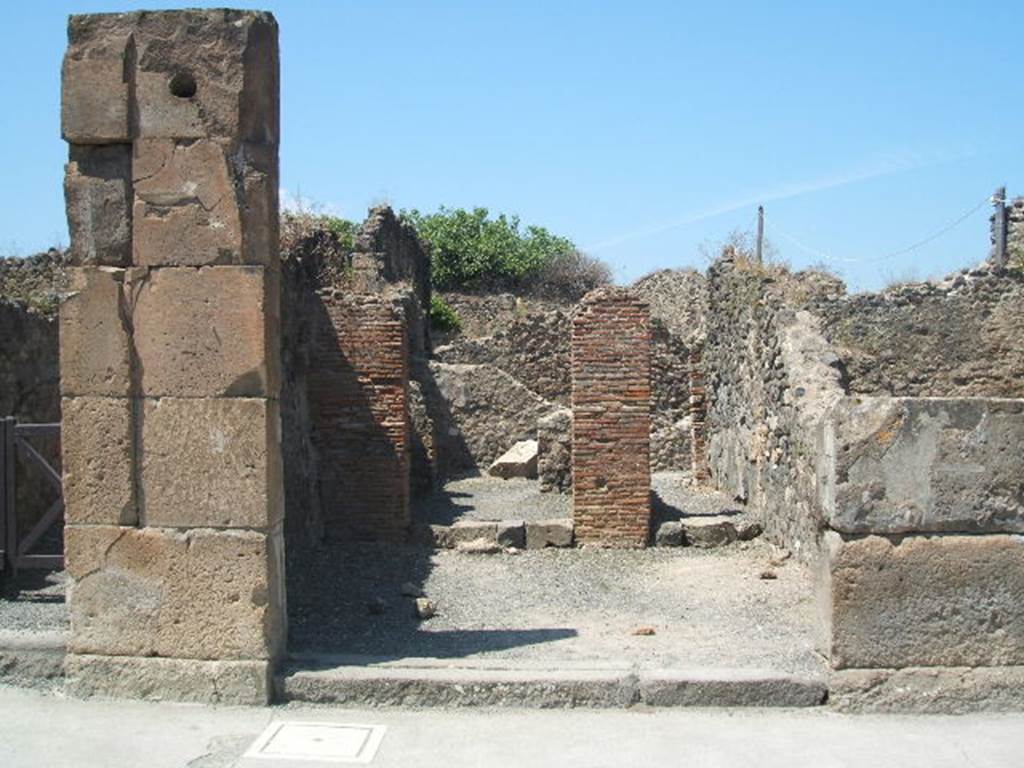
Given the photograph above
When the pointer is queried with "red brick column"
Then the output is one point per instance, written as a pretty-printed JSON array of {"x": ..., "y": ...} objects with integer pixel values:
[
  {"x": 358, "y": 391},
  {"x": 611, "y": 402}
]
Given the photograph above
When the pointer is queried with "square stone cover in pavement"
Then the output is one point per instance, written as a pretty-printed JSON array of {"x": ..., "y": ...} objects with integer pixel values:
[{"x": 309, "y": 743}]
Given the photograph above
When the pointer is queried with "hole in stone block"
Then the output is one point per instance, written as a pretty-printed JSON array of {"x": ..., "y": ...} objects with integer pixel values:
[{"x": 183, "y": 85}]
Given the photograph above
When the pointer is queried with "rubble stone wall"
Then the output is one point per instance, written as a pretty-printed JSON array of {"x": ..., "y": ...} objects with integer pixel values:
[
  {"x": 535, "y": 349},
  {"x": 611, "y": 403},
  {"x": 170, "y": 351},
  {"x": 772, "y": 376},
  {"x": 963, "y": 336}
]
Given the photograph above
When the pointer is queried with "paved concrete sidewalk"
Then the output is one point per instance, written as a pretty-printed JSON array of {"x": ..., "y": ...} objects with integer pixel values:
[{"x": 44, "y": 730}]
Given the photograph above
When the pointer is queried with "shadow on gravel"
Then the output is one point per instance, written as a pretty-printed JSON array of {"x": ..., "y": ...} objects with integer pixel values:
[
  {"x": 446, "y": 644},
  {"x": 443, "y": 507},
  {"x": 359, "y": 600}
]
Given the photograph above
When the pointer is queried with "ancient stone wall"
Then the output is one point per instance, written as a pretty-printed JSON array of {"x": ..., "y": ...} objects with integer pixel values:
[
  {"x": 169, "y": 353},
  {"x": 534, "y": 349},
  {"x": 29, "y": 369},
  {"x": 1015, "y": 233},
  {"x": 772, "y": 375},
  {"x": 671, "y": 422},
  {"x": 611, "y": 402},
  {"x": 963, "y": 336},
  {"x": 358, "y": 398}
]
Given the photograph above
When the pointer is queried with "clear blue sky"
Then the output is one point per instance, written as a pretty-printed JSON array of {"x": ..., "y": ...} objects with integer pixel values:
[{"x": 641, "y": 130}]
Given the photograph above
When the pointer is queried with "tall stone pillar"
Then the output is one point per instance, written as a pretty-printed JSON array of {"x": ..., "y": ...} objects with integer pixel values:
[
  {"x": 611, "y": 429},
  {"x": 170, "y": 369}
]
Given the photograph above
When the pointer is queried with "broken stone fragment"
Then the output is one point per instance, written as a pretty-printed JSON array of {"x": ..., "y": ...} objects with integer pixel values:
[
  {"x": 711, "y": 531},
  {"x": 549, "y": 533},
  {"x": 424, "y": 608},
  {"x": 511, "y": 533},
  {"x": 518, "y": 461},
  {"x": 669, "y": 534},
  {"x": 478, "y": 547}
]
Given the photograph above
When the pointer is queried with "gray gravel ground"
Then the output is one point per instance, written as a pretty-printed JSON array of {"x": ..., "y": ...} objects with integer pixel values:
[
  {"x": 38, "y": 604},
  {"x": 708, "y": 608},
  {"x": 490, "y": 498}
]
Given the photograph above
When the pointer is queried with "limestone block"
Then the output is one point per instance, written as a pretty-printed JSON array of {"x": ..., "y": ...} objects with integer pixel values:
[
  {"x": 194, "y": 201},
  {"x": 97, "y": 457},
  {"x": 710, "y": 531},
  {"x": 893, "y": 465},
  {"x": 924, "y": 600},
  {"x": 97, "y": 190},
  {"x": 518, "y": 461},
  {"x": 156, "y": 679},
  {"x": 208, "y": 332},
  {"x": 199, "y": 594},
  {"x": 511, "y": 533},
  {"x": 95, "y": 345},
  {"x": 95, "y": 83},
  {"x": 932, "y": 690},
  {"x": 669, "y": 534},
  {"x": 206, "y": 74},
  {"x": 549, "y": 533},
  {"x": 212, "y": 462}
]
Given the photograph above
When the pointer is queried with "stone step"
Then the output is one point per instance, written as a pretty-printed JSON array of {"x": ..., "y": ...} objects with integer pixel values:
[
  {"x": 32, "y": 659},
  {"x": 323, "y": 680}
]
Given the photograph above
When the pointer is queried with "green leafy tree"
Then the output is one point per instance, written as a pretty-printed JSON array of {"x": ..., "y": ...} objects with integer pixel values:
[{"x": 472, "y": 249}]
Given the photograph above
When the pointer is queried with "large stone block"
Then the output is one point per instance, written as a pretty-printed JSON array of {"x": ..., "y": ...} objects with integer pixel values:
[
  {"x": 156, "y": 679},
  {"x": 204, "y": 202},
  {"x": 96, "y": 80},
  {"x": 97, "y": 190},
  {"x": 924, "y": 601},
  {"x": 95, "y": 344},
  {"x": 211, "y": 462},
  {"x": 198, "y": 594},
  {"x": 207, "y": 74},
  {"x": 97, "y": 458},
  {"x": 893, "y": 465},
  {"x": 208, "y": 332}
]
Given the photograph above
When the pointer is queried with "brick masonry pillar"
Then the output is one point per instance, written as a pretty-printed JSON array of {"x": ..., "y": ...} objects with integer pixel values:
[
  {"x": 359, "y": 403},
  {"x": 611, "y": 403},
  {"x": 170, "y": 348}
]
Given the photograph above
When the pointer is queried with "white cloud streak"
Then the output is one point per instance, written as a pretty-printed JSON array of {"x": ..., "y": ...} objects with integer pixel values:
[{"x": 784, "y": 192}]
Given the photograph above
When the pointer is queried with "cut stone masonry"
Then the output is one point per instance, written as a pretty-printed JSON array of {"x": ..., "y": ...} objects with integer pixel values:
[{"x": 170, "y": 348}]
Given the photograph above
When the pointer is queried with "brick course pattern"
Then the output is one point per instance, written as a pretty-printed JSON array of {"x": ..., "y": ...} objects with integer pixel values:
[
  {"x": 358, "y": 394},
  {"x": 611, "y": 402}
]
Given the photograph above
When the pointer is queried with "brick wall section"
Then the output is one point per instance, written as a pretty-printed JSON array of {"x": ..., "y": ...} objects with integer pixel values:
[
  {"x": 611, "y": 401},
  {"x": 358, "y": 393}
]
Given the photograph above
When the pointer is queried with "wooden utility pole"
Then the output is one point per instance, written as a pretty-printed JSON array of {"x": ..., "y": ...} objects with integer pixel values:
[
  {"x": 760, "y": 234},
  {"x": 999, "y": 224}
]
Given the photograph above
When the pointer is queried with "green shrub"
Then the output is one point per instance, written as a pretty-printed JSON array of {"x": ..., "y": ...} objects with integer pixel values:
[
  {"x": 470, "y": 249},
  {"x": 442, "y": 316},
  {"x": 343, "y": 229}
]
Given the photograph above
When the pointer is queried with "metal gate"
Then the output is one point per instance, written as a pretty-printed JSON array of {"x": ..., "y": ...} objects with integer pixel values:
[{"x": 16, "y": 548}]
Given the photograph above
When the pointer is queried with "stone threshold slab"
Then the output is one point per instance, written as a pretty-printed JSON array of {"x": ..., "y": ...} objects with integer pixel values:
[{"x": 313, "y": 680}]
